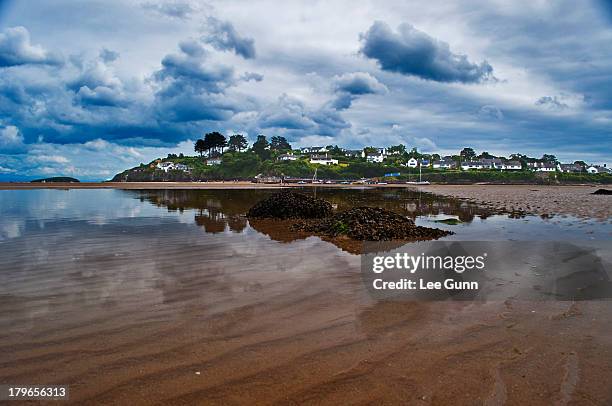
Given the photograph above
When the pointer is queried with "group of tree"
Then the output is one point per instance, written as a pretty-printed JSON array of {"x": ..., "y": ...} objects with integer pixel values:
[{"x": 213, "y": 144}]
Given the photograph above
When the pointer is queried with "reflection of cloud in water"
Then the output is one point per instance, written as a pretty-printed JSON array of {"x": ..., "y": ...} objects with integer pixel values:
[
  {"x": 11, "y": 228},
  {"x": 139, "y": 262}
]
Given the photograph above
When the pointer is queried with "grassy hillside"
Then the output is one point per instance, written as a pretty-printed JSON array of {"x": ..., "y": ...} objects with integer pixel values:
[{"x": 246, "y": 165}]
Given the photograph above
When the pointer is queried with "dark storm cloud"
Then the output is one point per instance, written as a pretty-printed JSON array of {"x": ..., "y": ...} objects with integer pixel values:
[
  {"x": 349, "y": 86},
  {"x": 193, "y": 87},
  {"x": 100, "y": 96},
  {"x": 223, "y": 36},
  {"x": 358, "y": 83},
  {"x": 412, "y": 52},
  {"x": 191, "y": 69},
  {"x": 16, "y": 49}
]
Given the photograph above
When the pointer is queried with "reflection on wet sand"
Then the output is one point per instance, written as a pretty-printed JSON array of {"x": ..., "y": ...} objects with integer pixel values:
[
  {"x": 234, "y": 203},
  {"x": 217, "y": 210},
  {"x": 154, "y": 309}
]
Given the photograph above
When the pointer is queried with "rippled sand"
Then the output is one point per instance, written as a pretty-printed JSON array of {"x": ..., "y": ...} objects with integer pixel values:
[
  {"x": 161, "y": 310},
  {"x": 575, "y": 201}
]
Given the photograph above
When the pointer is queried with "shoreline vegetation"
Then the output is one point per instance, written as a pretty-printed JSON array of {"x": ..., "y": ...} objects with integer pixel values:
[{"x": 276, "y": 161}]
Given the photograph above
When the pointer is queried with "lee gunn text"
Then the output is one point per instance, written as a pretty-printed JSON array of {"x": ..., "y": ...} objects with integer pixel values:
[{"x": 412, "y": 264}]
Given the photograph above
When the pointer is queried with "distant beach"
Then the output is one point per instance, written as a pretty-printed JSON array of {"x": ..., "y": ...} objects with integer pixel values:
[{"x": 576, "y": 200}]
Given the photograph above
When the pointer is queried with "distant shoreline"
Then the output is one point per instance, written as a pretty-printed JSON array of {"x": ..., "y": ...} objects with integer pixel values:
[
  {"x": 246, "y": 185},
  {"x": 524, "y": 199}
]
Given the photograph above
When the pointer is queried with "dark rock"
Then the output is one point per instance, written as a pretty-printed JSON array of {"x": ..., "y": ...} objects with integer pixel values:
[
  {"x": 369, "y": 224},
  {"x": 602, "y": 192},
  {"x": 290, "y": 205}
]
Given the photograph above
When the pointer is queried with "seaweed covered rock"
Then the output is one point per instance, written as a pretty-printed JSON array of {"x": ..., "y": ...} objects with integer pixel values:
[
  {"x": 370, "y": 224},
  {"x": 290, "y": 205}
]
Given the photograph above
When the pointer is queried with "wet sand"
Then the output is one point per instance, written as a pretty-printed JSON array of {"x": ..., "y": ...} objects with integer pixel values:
[
  {"x": 314, "y": 339},
  {"x": 150, "y": 311},
  {"x": 575, "y": 201}
]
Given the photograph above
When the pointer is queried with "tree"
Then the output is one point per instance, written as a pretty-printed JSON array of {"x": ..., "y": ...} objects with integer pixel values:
[
  {"x": 261, "y": 147},
  {"x": 486, "y": 155},
  {"x": 399, "y": 149},
  {"x": 581, "y": 163},
  {"x": 237, "y": 142},
  {"x": 278, "y": 143},
  {"x": 467, "y": 154},
  {"x": 549, "y": 158},
  {"x": 414, "y": 153},
  {"x": 335, "y": 150},
  {"x": 200, "y": 147},
  {"x": 215, "y": 141}
]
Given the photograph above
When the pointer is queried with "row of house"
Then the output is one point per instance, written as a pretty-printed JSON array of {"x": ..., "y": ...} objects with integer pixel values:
[{"x": 171, "y": 166}]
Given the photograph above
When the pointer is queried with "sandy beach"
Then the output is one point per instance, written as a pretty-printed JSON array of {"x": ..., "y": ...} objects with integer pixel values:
[
  {"x": 577, "y": 201},
  {"x": 541, "y": 200},
  {"x": 170, "y": 297}
]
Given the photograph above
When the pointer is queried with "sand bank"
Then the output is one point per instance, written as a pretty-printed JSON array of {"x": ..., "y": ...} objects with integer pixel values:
[{"x": 575, "y": 201}]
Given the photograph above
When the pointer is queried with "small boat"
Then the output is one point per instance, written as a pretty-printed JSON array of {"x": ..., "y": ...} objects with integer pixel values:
[{"x": 421, "y": 181}]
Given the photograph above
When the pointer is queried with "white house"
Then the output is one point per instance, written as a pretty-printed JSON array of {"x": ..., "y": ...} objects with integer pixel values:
[
  {"x": 444, "y": 164},
  {"x": 598, "y": 169},
  {"x": 375, "y": 158},
  {"x": 382, "y": 151},
  {"x": 546, "y": 167},
  {"x": 412, "y": 163},
  {"x": 181, "y": 167},
  {"x": 313, "y": 150},
  {"x": 213, "y": 161},
  {"x": 466, "y": 166},
  {"x": 492, "y": 163},
  {"x": 355, "y": 153},
  {"x": 171, "y": 166},
  {"x": 165, "y": 166},
  {"x": 323, "y": 160},
  {"x": 287, "y": 157},
  {"x": 567, "y": 168},
  {"x": 542, "y": 166},
  {"x": 511, "y": 165}
]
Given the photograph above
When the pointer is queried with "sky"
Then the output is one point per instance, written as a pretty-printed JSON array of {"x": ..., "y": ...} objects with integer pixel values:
[{"x": 88, "y": 89}]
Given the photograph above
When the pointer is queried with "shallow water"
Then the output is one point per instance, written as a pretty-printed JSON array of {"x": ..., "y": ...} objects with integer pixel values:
[{"x": 125, "y": 295}]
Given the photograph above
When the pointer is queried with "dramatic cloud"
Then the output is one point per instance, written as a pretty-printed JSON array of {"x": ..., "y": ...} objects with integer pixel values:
[
  {"x": 193, "y": 87},
  {"x": 180, "y": 10},
  {"x": 351, "y": 85},
  {"x": 358, "y": 83},
  {"x": 107, "y": 56},
  {"x": 292, "y": 117},
  {"x": 551, "y": 102},
  {"x": 16, "y": 49},
  {"x": 181, "y": 74},
  {"x": 248, "y": 76},
  {"x": 490, "y": 111},
  {"x": 223, "y": 36},
  {"x": 11, "y": 139},
  {"x": 413, "y": 52}
]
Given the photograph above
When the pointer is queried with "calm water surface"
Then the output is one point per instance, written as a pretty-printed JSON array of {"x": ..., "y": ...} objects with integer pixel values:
[{"x": 125, "y": 294}]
